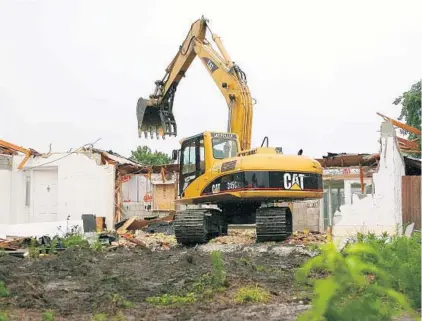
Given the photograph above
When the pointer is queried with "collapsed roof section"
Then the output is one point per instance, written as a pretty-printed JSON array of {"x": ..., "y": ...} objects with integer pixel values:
[{"x": 127, "y": 166}]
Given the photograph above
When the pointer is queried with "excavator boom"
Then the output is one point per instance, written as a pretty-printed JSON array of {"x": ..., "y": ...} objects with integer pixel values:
[{"x": 155, "y": 115}]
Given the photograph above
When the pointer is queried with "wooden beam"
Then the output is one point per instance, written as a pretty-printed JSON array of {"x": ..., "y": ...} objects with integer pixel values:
[
  {"x": 362, "y": 184},
  {"x": 22, "y": 164},
  {"x": 14, "y": 147},
  {"x": 407, "y": 144},
  {"x": 408, "y": 128}
]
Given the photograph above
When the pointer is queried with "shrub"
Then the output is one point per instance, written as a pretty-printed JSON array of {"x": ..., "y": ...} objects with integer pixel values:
[
  {"x": 400, "y": 257},
  {"x": 354, "y": 289}
]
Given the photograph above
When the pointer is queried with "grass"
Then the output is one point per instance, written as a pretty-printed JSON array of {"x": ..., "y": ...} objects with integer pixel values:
[
  {"x": 48, "y": 316},
  {"x": 4, "y": 292},
  {"x": 118, "y": 301},
  {"x": 75, "y": 240},
  {"x": 100, "y": 317},
  {"x": 172, "y": 300},
  {"x": 373, "y": 279},
  {"x": 204, "y": 288},
  {"x": 252, "y": 294},
  {"x": 218, "y": 274},
  {"x": 3, "y": 316}
]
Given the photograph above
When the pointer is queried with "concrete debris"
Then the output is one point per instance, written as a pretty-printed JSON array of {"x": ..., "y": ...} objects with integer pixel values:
[
  {"x": 306, "y": 237},
  {"x": 154, "y": 242},
  {"x": 237, "y": 237}
]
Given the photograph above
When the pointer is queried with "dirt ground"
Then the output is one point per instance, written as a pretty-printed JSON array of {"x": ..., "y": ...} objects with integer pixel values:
[{"x": 79, "y": 283}]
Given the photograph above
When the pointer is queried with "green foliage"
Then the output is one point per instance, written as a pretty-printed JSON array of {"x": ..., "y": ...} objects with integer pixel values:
[
  {"x": 400, "y": 257},
  {"x": 172, "y": 300},
  {"x": 354, "y": 289},
  {"x": 145, "y": 156},
  {"x": 120, "y": 302},
  {"x": 48, "y": 316},
  {"x": 3, "y": 316},
  {"x": 33, "y": 250},
  {"x": 75, "y": 240},
  {"x": 218, "y": 273},
  {"x": 97, "y": 246},
  {"x": 100, "y": 317},
  {"x": 252, "y": 294},
  {"x": 4, "y": 292},
  {"x": 410, "y": 103}
]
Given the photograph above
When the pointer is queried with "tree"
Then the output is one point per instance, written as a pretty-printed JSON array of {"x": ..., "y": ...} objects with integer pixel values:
[
  {"x": 410, "y": 103},
  {"x": 145, "y": 156}
]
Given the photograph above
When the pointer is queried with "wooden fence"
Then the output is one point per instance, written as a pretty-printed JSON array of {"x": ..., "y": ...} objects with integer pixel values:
[{"x": 411, "y": 200}]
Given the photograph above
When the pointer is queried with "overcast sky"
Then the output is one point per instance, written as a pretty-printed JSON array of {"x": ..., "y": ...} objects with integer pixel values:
[{"x": 71, "y": 71}]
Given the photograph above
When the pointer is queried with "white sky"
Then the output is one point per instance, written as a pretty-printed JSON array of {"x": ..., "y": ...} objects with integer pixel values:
[{"x": 71, "y": 71}]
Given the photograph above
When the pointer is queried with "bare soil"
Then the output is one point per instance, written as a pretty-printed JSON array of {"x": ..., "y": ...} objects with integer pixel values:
[{"x": 79, "y": 283}]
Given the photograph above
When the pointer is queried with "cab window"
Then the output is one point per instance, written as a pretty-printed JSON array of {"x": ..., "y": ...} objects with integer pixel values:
[
  {"x": 224, "y": 148},
  {"x": 189, "y": 158},
  {"x": 192, "y": 161}
]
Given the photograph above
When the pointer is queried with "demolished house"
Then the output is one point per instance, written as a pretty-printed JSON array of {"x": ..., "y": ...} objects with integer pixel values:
[
  {"x": 41, "y": 194},
  {"x": 389, "y": 196}
]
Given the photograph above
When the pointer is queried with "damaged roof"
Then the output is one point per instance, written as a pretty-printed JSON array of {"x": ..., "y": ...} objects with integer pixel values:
[
  {"x": 347, "y": 160},
  {"x": 128, "y": 166}
]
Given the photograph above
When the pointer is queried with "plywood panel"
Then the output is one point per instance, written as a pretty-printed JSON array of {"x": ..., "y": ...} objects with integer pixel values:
[
  {"x": 411, "y": 200},
  {"x": 164, "y": 197}
]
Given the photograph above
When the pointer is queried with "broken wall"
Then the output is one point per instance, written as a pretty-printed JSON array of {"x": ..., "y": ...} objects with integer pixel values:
[
  {"x": 306, "y": 215},
  {"x": 380, "y": 211},
  {"x": 62, "y": 187},
  {"x": 5, "y": 182},
  {"x": 138, "y": 186}
]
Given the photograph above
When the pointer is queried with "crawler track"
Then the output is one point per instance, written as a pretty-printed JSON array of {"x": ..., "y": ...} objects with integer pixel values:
[
  {"x": 273, "y": 224},
  {"x": 196, "y": 226}
]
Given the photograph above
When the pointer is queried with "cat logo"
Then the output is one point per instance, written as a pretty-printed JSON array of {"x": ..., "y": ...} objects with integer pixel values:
[
  {"x": 210, "y": 64},
  {"x": 215, "y": 188},
  {"x": 293, "y": 182}
]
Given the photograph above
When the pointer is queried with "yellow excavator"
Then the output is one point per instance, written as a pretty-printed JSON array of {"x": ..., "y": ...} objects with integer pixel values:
[{"x": 243, "y": 185}]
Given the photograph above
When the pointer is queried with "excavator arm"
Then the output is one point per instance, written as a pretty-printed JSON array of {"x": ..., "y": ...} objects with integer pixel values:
[{"x": 155, "y": 115}]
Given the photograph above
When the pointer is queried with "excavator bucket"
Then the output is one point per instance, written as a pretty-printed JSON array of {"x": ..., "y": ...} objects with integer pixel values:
[{"x": 154, "y": 119}]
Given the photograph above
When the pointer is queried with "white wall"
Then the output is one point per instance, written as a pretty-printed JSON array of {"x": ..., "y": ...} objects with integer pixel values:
[
  {"x": 84, "y": 187},
  {"x": 5, "y": 180},
  {"x": 382, "y": 211}
]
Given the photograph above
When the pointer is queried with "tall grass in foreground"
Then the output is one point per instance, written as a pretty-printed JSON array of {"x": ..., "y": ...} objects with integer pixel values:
[{"x": 373, "y": 279}]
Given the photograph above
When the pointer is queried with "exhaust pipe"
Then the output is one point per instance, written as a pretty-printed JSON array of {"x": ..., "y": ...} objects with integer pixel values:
[{"x": 155, "y": 119}]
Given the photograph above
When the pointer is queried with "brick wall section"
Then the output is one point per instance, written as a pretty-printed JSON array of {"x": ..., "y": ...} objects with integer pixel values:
[
  {"x": 138, "y": 209},
  {"x": 306, "y": 215}
]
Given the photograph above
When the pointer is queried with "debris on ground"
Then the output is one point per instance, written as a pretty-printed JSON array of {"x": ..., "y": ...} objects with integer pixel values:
[
  {"x": 134, "y": 223},
  {"x": 238, "y": 236},
  {"x": 306, "y": 237},
  {"x": 154, "y": 242}
]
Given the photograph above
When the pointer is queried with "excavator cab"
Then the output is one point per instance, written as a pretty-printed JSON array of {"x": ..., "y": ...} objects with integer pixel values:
[{"x": 199, "y": 154}]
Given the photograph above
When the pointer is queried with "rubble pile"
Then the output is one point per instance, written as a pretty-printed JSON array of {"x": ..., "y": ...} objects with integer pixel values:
[
  {"x": 154, "y": 242},
  {"x": 306, "y": 237},
  {"x": 237, "y": 236}
]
